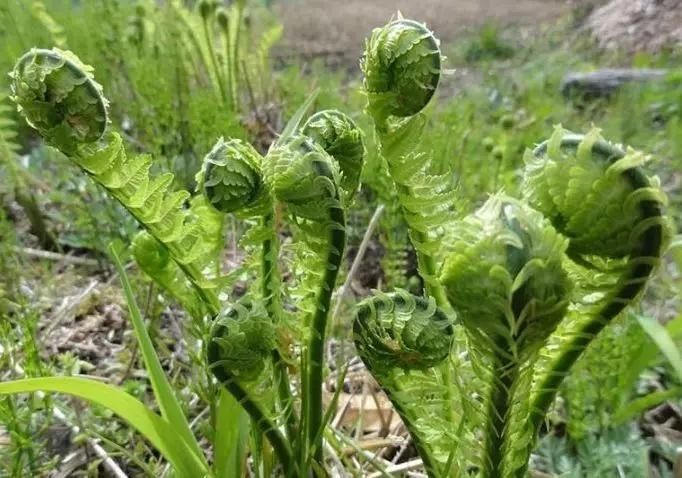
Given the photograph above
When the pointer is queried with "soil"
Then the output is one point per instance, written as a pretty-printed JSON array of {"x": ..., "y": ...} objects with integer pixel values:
[{"x": 330, "y": 28}]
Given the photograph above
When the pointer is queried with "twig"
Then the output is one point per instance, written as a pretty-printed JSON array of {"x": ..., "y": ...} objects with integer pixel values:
[
  {"x": 54, "y": 256},
  {"x": 343, "y": 290},
  {"x": 67, "y": 307},
  {"x": 406, "y": 466}
]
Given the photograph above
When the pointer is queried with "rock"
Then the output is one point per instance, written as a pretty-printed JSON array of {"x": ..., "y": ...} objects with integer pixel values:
[
  {"x": 603, "y": 83},
  {"x": 638, "y": 25}
]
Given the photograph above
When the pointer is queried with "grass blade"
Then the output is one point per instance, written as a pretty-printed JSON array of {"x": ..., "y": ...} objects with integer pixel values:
[
  {"x": 154, "y": 428},
  {"x": 661, "y": 337},
  {"x": 232, "y": 435},
  {"x": 165, "y": 396}
]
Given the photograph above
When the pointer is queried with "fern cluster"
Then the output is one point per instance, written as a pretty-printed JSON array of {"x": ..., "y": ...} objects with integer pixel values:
[
  {"x": 313, "y": 172},
  {"x": 515, "y": 291},
  {"x": 531, "y": 282}
]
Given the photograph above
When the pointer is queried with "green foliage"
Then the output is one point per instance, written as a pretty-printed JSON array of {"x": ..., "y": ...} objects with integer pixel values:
[
  {"x": 488, "y": 44},
  {"x": 474, "y": 363},
  {"x": 404, "y": 340},
  {"x": 242, "y": 339},
  {"x": 599, "y": 207},
  {"x": 340, "y": 137},
  {"x": 621, "y": 452}
]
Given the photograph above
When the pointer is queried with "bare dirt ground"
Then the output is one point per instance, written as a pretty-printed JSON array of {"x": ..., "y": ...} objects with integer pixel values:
[{"x": 337, "y": 28}]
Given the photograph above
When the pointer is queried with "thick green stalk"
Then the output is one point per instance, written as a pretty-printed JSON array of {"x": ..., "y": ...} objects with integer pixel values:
[
  {"x": 260, "y": 420},
  {"x": 430, "y": 466},
  {"x": 500, "y": 403},
  {"x": 270, "y": 284},
  {"x": 315, "y": 352},
  {"x": 429, "y": 271}
]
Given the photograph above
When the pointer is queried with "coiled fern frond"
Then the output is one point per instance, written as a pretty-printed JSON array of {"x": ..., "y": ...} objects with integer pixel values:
[
  {"x": 59, "y": 97},
  {"x": 241, "y": 341},
  {"x": 303, "y": 176},
  {"x": 239, "y": 347},
  {"x": 611, "y": 260},
  {"x": 401, "y": 65},
  {"x": 231, "y": 176},
  {"x": 340, "y": 137},
  {"x": 505, "y": 277},
  {"x": 403, "y": 340},
  {"x": 598, "y": 205}
]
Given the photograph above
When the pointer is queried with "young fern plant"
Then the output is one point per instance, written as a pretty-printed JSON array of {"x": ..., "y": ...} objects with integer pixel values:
[
  {"x": 313, "y": 172},
  {"x": 529, "y": 281}
]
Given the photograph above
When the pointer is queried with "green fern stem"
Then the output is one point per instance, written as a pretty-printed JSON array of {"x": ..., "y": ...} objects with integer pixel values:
[
  {"x": 234, "y": 64},
  {"x": 214, "y": 61},
  {"x": 194, "y": 276},
  {"x": 429, "y": 270},
  {"x": 505, "y": 373},
  {"x": 259, "y": 418},
  {"x": 270, "y": 284},
  {"x": 225, "y": 28},
  {"x": 640, "y": 267},
  {"x": 200, "y": 57},
  {"x": 426, "y": 262},
  {"x": 315, "y": 351}
]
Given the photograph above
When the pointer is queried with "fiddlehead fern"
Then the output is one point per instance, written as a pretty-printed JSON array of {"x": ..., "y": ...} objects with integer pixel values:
[
  {"x": 402, "y": 68},
  {"x": 340, "y": 137},
  {"x": 241, "y": 341},
  {"x": 506, "y": 281},
  {"x": 59, "y": 97},
  {"x": 401, "y": 339},
  {"x": 612, "y": 214},
  {"x": 231, "y": 176},
  {"x": 505, "y": 277},
  {"x": 300, "y": 174},
  {"x": 402, "y": 65},
  {"x": 231, "y": 180}
]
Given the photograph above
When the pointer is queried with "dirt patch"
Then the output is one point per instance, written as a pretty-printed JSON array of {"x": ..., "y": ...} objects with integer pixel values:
[
  {"x": 328, "y": 28},
  {"x": 638, "y": 25}
]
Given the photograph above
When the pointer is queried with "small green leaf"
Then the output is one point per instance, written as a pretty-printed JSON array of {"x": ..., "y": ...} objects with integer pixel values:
[
  {"x": 644, "y": 403},
  {"x": 662, "y": 338}
]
